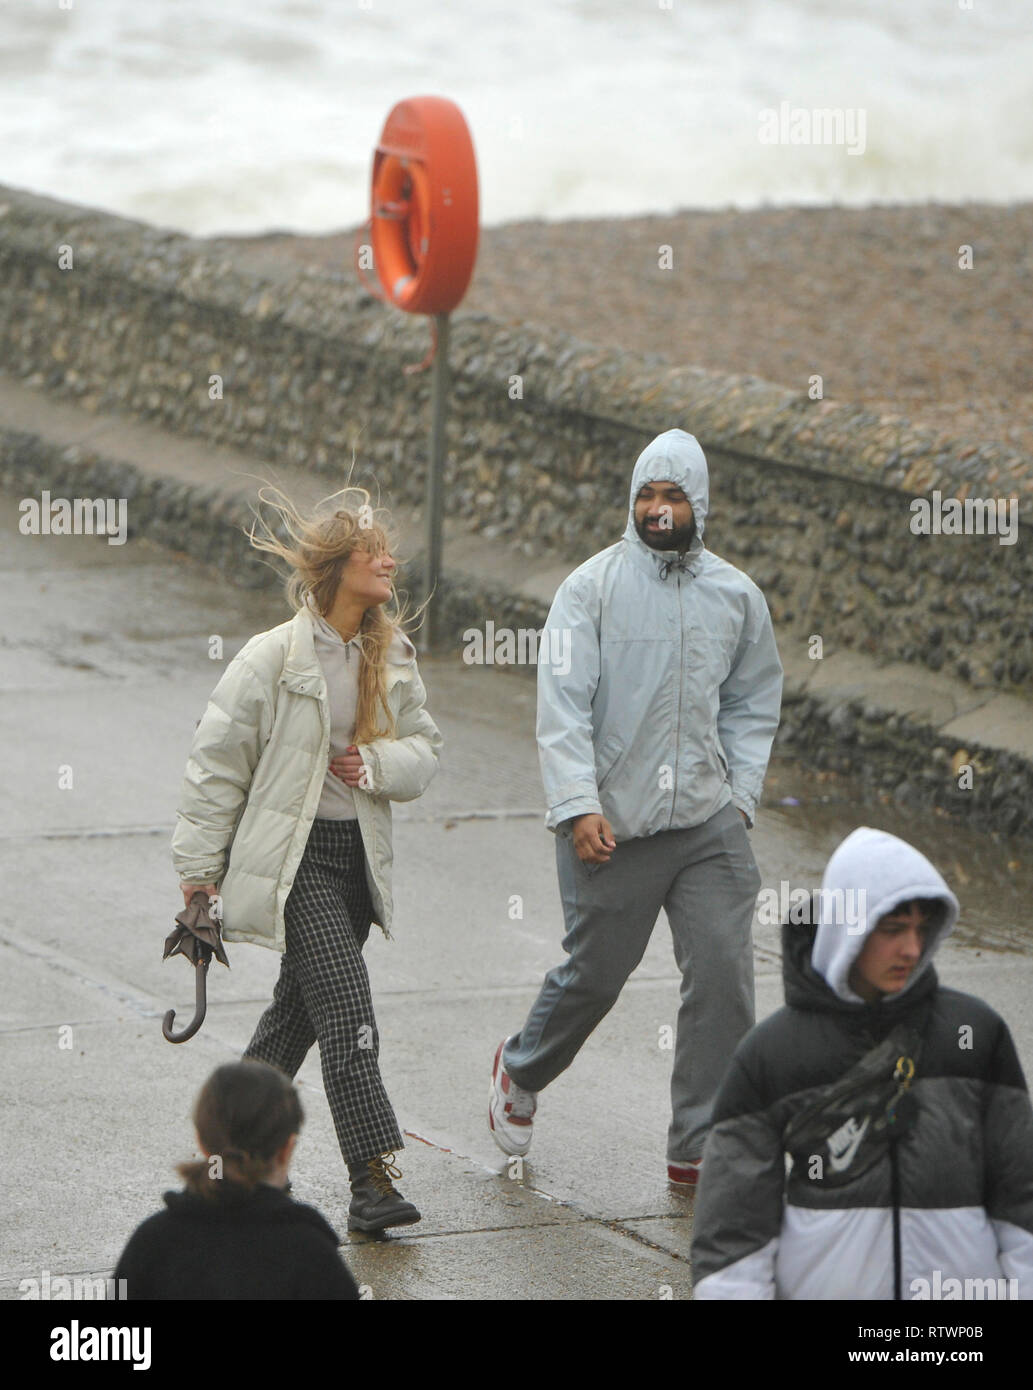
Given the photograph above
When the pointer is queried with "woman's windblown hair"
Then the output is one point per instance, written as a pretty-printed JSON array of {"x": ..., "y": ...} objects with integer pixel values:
[{"x": 316, "y": 548}]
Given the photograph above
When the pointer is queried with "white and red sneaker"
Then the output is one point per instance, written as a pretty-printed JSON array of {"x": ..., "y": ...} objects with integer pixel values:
[
  {"x": 686, "y": 1174},
  {"x": 510, "y": 1109}
]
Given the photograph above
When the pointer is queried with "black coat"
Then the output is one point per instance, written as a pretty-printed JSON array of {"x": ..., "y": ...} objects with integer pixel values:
[
  {"x": 240, "y": 1245},
  {"x": 965, "y": 1167}
]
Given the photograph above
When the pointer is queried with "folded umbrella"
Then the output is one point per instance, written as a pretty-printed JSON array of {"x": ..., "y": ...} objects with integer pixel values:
[{"x": 198, "y": 936}]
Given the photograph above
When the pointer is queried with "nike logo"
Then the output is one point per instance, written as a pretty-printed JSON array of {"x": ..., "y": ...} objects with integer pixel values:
[{"x": 843, "y": 1145}]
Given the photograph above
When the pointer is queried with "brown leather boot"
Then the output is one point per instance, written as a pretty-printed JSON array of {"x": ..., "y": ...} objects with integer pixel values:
[{"x": 375, "y": 1203}]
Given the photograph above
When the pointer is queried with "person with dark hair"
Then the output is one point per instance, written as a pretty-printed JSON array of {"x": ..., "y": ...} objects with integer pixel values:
[
  {"x": 234, "y": 1232},
  {"x": 873, "y": 1139},
  {"x": 654, "y": 732}
]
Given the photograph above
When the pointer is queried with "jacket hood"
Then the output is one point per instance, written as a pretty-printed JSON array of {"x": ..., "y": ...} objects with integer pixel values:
[
  {"x": 400, "y": 651},
  {"x": 868, "y": 875},
  {"x": 674, "y": 456}
]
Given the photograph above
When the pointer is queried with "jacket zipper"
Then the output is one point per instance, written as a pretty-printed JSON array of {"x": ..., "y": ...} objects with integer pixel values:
[
  {"x": 894, "y": 1180},
  {"x": 895, "y": 1199},
  {"x": 681, "y": 681}
]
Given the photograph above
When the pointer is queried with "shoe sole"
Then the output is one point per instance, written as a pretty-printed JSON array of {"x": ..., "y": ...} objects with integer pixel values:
[
  {"x": 371, "y": 1227},
  {"x": 504, "y": 1143},
  {"x": 688, "y": 1181}
]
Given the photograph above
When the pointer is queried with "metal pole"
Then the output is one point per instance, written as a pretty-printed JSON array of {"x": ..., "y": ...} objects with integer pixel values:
[{"x": 435, "y": 482}]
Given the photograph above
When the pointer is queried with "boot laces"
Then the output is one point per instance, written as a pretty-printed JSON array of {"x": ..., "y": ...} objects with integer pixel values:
[{"x": 381, "y": 1170}]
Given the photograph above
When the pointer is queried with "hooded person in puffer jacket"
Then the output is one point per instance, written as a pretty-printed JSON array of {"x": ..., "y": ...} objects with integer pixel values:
[{"x": 917, "y": 1181}]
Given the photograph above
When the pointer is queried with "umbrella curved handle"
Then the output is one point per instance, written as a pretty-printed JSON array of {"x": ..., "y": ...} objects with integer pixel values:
[{"x": 200, "y": 1008}]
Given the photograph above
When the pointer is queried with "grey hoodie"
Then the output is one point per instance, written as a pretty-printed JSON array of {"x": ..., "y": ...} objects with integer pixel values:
[
  {"x": 876, "y": 872},
  {"x": 669, "y": 702}
]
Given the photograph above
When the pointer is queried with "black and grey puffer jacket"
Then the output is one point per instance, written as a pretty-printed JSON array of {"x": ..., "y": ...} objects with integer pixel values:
[{"x": 767, "y": 1227}]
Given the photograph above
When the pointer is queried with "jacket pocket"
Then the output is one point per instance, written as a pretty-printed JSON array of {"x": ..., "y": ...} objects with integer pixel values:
[
  {"x": 719, "y": 753},
  {"x": 608, "y": 757}
]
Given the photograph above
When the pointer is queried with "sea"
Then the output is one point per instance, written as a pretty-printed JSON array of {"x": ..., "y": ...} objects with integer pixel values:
[{"x": 249, "y": 116}]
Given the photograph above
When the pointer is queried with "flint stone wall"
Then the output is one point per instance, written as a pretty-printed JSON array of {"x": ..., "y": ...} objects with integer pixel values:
[{"x": 811, "y": 498}]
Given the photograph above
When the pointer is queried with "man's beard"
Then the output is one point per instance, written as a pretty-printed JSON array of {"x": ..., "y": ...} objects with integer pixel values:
[{"x": 677, "y": 538}]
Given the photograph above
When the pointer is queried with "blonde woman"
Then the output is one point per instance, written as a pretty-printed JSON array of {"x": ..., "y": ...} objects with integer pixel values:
[{"x": 314, "y": 729}]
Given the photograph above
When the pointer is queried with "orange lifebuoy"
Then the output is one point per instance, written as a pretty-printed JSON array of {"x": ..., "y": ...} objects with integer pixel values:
[{"x": 424, "y": 222}]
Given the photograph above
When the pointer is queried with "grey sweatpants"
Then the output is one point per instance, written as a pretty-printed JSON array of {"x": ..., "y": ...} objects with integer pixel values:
[{"x": 707, "y": 880}]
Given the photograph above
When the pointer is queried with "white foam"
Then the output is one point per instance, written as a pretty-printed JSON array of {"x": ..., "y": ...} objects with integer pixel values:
[{"x": 259, "y": 114}]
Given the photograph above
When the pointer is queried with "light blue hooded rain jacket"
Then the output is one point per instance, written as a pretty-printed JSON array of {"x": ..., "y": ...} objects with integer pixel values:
[{"x": 673, "y": 687}]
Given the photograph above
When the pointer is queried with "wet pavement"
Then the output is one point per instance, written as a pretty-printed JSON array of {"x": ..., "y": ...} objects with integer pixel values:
[{"x": 104, "y": 671}]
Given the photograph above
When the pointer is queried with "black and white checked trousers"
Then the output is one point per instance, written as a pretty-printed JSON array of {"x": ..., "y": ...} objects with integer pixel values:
[{"x": 323, "y": 992}]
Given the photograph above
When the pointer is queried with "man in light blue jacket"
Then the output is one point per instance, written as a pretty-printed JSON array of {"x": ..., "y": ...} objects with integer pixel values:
[{"x": 653, "y": 740}]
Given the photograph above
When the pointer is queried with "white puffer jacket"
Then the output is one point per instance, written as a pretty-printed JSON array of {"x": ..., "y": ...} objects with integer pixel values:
[{"x": 256, "y": 770}]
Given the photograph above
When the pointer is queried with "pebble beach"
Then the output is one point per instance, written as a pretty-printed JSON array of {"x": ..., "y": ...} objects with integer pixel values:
[{"x": 873, "y": 300}]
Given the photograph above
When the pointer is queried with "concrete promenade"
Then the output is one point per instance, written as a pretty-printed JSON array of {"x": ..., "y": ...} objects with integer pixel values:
[{"x": 105, "y": 671}]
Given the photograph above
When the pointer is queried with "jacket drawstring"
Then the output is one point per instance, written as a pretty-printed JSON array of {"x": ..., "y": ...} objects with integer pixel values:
[
  {"x": 895, "y": 1199},
  {"x": 678, "y": 564}
]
